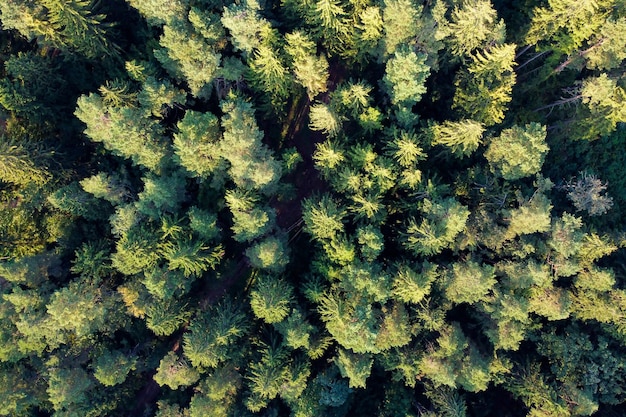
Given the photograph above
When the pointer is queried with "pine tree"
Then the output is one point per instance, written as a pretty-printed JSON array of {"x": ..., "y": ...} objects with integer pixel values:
[
  {"x": 474, "y": 25},
  {"x": 112, "y": 188},
  {"x": 157, "y": 13},
  {"x": 469, "y": 282},
  {"x": 124, "y": 131},
  {"x": 518, "y": 152},
  {"x": 17, "y": 165},
  {"x": 405, "y": 76},
  {"x": 607, "y": 50},
  {"x": 602, "y": 107},
  {"x": 73, "y": 26},
  {"x": 112, "y": 367},
  {"x": 212, "y": 335},
  {"x": 245, "y": 25},
  {"x": 399, "y": 23},
  {"x": 188, "y": 56},
  {"x": 270, "y": 298},
  {"x": 252, "y": 163},
  {"x": 484, "y": 89},
  {"x": 462, "y": 137},
  {"x": 323, "y": 218},
  {"x": 410, "y": 286},
  {"x": 442, "y": 222},
  {"x": 311, "y": 70},
  {"x": 175, "y": 372},
  {"x": 68, "y": 388},
  {"x": 271, "y": 254},
  {"x": 565, "y": 24},
  {"x": 324, "y": 119},
  {"x": 355, "y": 367}
]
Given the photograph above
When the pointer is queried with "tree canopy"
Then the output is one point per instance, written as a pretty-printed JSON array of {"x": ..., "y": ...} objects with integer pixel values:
[{"x": 320, "y": 208}]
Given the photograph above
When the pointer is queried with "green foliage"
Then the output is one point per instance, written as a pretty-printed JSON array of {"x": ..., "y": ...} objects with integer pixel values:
[
  {"x": 83, "y": 309},
  {"x": 73, "y": 26},
  {"x": 112, "y": 367},
  {"x": 469, "y": 282},
  {"x": 311, "y": 71},
  {"x": 565, "y": 24},
  {"x": 175, "y": 372},
  {"x": 245, "y": 25},
  {"x": 410, "y": 286},
  {"x": 518, "y": 152},
  {"x": 92, "y": 261},
  {"x": 531, "y": 217},
  {"x": 122, "y": 130},
  {"x": 73, "y": 200},
  {"x": 323, "y": 217},
  {"x": 249, "y": 221},
  {"x": 484, "y": 89},
  {"x": 401, "y": 137},
  {"x": 136, "y": 250},
  {"x": 196, "y": 144},
  {"x": 405, "y": 76},
  {"x": 607, "y": 50},
  {"x": 271, "y": 254},
  {"x": 157, "y": 13},
  {"x": 442, "y": 222},
  {"x": 211, "y": 336},
  {"x": 399, "y": 18},
  {"x": 462, "y": 137},
  {"x": 324, "y": 119},
  {"x": 165, "y": 317},
  {"x": 268, "y": 74},
  {"x": 472, "y": 26},
  {"x": 355, "y": 367},
  {"x": 266, "y": 376},
  {"x": 21, "y": 392},
  {"x": 17, "y": 165},
  {"x": 189, "y": 56},
  {"x": 603, "y": 107},
  {"x": 111, "y": 188},
  {"x": 68, "y": 388},
  {"x": 216, "y": 394},
  {"x": 252, "y": 164},
  {"x": 270, "y": 298},
  {"x": 161, "y": 194},
  {"x": 191, "y": 257}
]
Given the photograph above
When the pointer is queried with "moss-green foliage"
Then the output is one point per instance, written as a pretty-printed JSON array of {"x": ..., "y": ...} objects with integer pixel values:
[{"x": 312, "y": 208}]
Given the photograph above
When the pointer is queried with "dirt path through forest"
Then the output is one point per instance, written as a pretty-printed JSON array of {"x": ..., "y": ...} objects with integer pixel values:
[{"x": 288, "y": 214}]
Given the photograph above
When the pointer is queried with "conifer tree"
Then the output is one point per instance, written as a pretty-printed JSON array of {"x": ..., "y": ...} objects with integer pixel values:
[
  {"x": 245, "y": 25},
  {"x": 124, "y": 131},
  {"x": 212, "y": 335},
  {"x": 189, "y": 57},
  {"x": 461, "y": 137},
  {"x": 565, "y": 24},
  {"x": 270, "y": 298},
  {"x": 157, "y": 13},
  {"x": 399, "y": 18},
  {"x": 17, "y": 165},
  {"x": 175, "y": 372},
  {"x": 518, "y": 152},
  {"x": 483, "y": 90},
  {"x": 73, "y": 26},
  {"x": 474, "y": 25},
  {"x": 252, "y": 164},
  {"x": 405, "y": 76},
  {"x": 311, "y": 70},
  {"x": 442, "y": 222}
]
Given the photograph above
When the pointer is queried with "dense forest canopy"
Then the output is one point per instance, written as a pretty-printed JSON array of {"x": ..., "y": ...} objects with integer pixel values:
[{"x": 312, "y": 208}]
